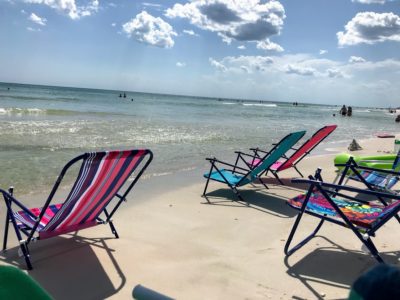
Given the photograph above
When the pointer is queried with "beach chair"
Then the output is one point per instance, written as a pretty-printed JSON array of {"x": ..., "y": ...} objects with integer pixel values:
[
  {"x": 292, "y": 160},
  {"x": 337, "y": 204},
  {"x": 236, "y": 176},
  {"x": 99, "y": 181},
  {"x": 374, "y": 179}
]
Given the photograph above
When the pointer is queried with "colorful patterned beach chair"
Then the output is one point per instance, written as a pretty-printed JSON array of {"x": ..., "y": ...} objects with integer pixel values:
[
  {"x": 336, "y": 204},
  {"x": 236, "y": 176},
  {"x": 100, "y": 179},
  {"x": 375, "y": 179},
  {"x": 291, "y": 161}
]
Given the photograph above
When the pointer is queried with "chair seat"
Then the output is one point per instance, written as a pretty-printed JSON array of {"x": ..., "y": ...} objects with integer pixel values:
[
  {"x": 274, "y": 167},
  {"x": 27, "y": 220},
  {"x": 364, "y": 215},
  {"x": 232, "y": 178},
  {"x": 380, "y": 180}
]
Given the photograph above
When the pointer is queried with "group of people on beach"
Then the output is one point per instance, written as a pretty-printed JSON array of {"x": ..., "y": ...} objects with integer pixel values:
[{"x": 346, "y": 111}]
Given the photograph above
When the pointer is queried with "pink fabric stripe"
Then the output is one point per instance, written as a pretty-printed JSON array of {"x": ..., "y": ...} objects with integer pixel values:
[
  {"x": 82, "y": 202},
  {"x": 104, "y": 188},
  {"x": 49, "y": 234},
  {"x": 118, "y": 185}
]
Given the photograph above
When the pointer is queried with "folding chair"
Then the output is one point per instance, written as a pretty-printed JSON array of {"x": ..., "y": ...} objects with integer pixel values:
[
  {"x": 100, "y": 178},
  {"x": 376, "y": 179},
  {"x": 237, "y": 176},
  {"x": 292, "y": 160},
  {"x": 336, "y": 204}
]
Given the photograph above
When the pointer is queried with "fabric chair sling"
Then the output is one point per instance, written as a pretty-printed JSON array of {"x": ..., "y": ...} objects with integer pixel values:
[
  {"x": 292, "y": 160},
  {"x": 373, "y": 178},
  {"x": 237, "y": 176},
  {"x": 335, "y": 203},
  {"x": 100, "y": 178}
]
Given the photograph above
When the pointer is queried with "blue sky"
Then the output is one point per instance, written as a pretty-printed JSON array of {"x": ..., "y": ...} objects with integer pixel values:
[{"x": 318, "y": 51}]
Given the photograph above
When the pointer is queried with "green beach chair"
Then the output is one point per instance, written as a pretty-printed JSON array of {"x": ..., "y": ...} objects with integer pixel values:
[{"x": 235, "y": 176}]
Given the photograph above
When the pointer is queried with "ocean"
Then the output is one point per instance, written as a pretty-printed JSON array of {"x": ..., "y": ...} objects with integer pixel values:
[{"x": 43, "y": 127}]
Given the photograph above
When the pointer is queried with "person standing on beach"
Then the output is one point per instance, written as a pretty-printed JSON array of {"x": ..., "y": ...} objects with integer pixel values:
[{"x": 343, "y": 110}]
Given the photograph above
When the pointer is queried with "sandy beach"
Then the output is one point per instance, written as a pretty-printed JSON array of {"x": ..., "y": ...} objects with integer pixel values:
[{"x": 175, "y": 242}]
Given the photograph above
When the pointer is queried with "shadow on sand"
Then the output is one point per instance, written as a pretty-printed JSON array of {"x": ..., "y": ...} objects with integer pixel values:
[
  {"x": 333, "y": 266},
  {"x": 260, "y": 199},
  {"x": 68, "y": 267}
]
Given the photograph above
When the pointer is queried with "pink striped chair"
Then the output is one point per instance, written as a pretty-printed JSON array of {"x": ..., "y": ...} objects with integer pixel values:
[{"x": 100, "y": 178}]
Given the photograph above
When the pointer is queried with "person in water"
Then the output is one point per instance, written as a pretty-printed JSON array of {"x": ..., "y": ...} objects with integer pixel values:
[
  {"x": 343, "y": 110},
  {"x": 349, "y": 111}
]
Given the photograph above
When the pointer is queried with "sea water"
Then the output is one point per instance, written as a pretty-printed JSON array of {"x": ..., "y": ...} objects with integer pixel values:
[{"x": 43, "y": 127}]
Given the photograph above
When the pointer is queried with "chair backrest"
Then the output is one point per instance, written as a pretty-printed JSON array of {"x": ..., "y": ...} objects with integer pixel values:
[
  {"x": 277, "y": 152},
  {"x": 309, "y": 145},
  {"x": 396, "y": 162},
  {"x": 101, "y": 176}
]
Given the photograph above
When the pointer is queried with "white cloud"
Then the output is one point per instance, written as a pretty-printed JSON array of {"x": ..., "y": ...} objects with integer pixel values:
[
  {"x": 370, "y": 28},
  {"x": 245, "y": 20},
  {"x": 38, "y": 20},
  {"x": 270, "y": 46},
  {"x": 180, "y": 64},
  {"x": 322, "y": 52},
  {"x": 300, "y": 70},
  {"x": 356, "y": 59},
  {"x": 219, "y": 66},
  {"x": 242, "y": 47},
  {"x": 190, "y": 32},
  {"x": 33, "y": 29},
  {"x": 311, "y": 78},
  {"x": 148, "y": 4},
  {"x": 150, "y": 30},
  {"x": 370, "y": 1},
  {"x": 335, "y": 73},
  {"x": 113, "y": 24},
  {"x": 237, "y": 64},
  {"x": 69, "y": 7}
]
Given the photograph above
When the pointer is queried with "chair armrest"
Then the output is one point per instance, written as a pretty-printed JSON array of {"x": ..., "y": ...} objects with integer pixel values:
[
  {"x": 392, "y": 172},
  {"x": 345, "y": 188},
  {"x": 215, "y": 160}
]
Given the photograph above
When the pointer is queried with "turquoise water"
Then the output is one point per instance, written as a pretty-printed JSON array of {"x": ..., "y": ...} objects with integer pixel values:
[{"x": 41, "y": 128}]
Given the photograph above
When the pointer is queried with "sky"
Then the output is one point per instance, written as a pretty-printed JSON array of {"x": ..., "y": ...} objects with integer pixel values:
[{"x": 314, "y": 51}]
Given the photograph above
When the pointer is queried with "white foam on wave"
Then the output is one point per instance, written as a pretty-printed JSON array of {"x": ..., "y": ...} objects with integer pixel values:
[
  {"x": 260, "y": 104},
  {"x": 21, "y": 111},
  {"x": 228, "y": 103}
]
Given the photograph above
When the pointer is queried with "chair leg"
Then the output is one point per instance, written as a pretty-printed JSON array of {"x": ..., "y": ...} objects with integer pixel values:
[
  {"x": 298, "y": 171},
  {"x": 288, "y": 251},
  {"x": 205, "y": 188},
  {"x": 113, "y": 230},
  {"x": 262, "y": 182},
  {"x": 25, "y": 252},
  {"x": 6, "y": 233},
  {"x": 277, "y": 177},
  {"x": 236, "y": 192}
]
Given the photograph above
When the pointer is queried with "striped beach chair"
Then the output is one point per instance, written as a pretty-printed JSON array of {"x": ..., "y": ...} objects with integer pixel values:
[
  {"x": 338, "y": 205},
  {"x": 101, "y": 177},
  {"x": 375, "y": 179}
]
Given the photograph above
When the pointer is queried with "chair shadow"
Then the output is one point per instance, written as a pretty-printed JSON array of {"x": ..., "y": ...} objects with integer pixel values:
[
  {"x": 68, "y": 268},
  {"x": 262, "y": 201},
  {"x": 334, "y": 266},
  {"x": 287, "y": 182}
]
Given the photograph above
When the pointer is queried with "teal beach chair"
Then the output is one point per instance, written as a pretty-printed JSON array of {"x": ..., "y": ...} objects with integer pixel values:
[{"x": 235, "y": 176}]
